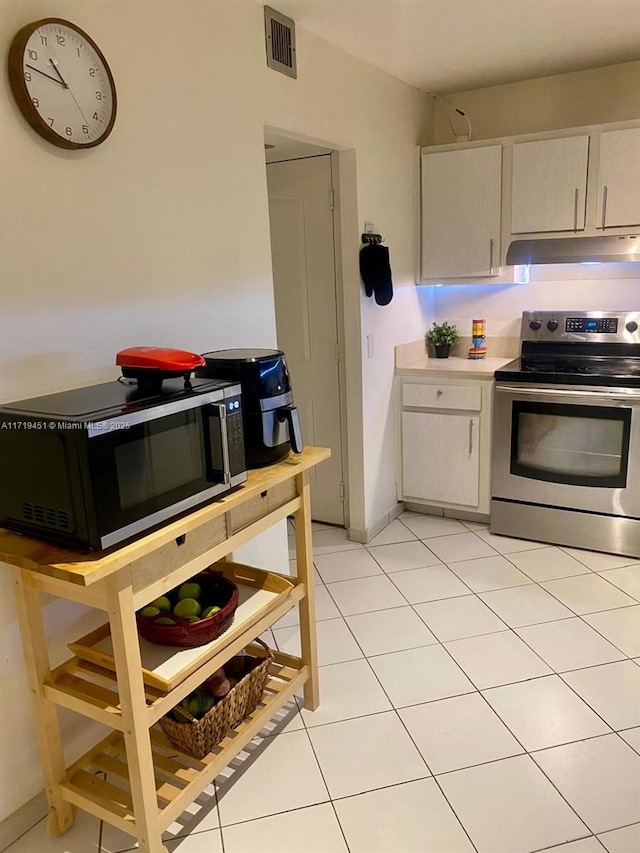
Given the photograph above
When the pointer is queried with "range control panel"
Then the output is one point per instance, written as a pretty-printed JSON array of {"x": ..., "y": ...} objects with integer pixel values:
[
  {"x": 587, "y": 326},
  {"x": 594, "y": 325}
]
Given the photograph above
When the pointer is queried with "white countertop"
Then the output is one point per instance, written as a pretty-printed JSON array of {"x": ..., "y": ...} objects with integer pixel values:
[{"x": 483, "y": 368}]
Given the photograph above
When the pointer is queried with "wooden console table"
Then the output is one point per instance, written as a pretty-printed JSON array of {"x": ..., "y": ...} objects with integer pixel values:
[{"x": 155, "y": 781}]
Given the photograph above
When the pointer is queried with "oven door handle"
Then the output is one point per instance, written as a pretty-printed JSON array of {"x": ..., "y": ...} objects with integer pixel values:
[{"x": 629, "y": 396}]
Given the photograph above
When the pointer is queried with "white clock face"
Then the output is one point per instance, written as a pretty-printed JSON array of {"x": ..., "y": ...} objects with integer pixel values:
[{"x": 68, "y": 84}]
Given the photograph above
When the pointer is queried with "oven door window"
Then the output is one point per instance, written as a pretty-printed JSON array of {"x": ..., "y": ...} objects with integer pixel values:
[
  {"x": 149, "y": 467},
  {"x": 576, "y": 445}
]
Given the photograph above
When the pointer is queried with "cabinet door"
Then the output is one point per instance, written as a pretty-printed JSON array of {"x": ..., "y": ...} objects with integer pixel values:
[
  {"x": 461, "y": 193},
  {"x": 549, "y": 185},
  {"x": 619, "y": 179},
  {"x": 440, "y": 459}
]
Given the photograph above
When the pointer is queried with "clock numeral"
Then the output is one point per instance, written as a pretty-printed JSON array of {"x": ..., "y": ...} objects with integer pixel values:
[
  {"x": 60, "y": 40},
  {"x": 43, "y": 40},
  {"x": 32, "y": 55},
  {"x": 92, "y": 72},
  {"x": 85, "y": 129},
  {"x": 50, "y": 120},
  {"x": 98, "y": 96},
  {"x": 27, "y": 76},
  {"x": 78, "y": 51},
  {"x": 95, "y": 116},
  {"x": 68, "y": 131},
  {"x": 35, "y": 102}
]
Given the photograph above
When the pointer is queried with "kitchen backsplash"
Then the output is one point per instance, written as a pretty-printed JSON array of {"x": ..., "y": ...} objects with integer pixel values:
[{"x": 576, "y": 286}]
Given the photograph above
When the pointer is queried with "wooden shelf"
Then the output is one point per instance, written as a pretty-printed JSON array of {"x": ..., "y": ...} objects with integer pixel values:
[
  {"x": 180, "y": 777},
  {"x": 263, "y": 597},
  {"x": 242, "y": 505},
  {"x": 92, "y": 690}
]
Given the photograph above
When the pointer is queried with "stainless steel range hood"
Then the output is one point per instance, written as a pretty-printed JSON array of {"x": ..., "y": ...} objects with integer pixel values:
[{"x": 575, "y": 250}]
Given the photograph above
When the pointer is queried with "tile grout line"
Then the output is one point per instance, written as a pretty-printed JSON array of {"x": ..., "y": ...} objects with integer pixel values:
[
  {"x": 419, "y": 752},
  {"x": 526, "y": 752}
]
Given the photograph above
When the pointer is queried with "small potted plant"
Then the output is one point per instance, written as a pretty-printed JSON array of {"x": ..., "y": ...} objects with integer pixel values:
[{"x": 442, "y": 336}]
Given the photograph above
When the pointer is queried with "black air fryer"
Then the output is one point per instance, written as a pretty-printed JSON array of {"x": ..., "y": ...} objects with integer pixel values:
[{"x": 271, "y": 423}]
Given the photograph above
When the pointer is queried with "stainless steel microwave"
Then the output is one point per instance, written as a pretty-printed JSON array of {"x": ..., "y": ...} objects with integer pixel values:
[{"x": 95, "y": 466}]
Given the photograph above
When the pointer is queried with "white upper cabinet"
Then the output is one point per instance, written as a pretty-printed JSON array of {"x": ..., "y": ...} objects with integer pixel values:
[
  {"x": 619, "y": 179},
  {"x": 461, "y": 199},
  {"x": 549, "y": 185}
]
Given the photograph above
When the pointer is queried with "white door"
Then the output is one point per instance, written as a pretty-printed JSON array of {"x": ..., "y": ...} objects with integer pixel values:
[
  {"x": 440, "y": 459},
  {"x": 549, "y": 185},
  {"x": 461, "y": 196},
  {"x": 619, "y": 179},
  {"x": 301, "y": 217}
]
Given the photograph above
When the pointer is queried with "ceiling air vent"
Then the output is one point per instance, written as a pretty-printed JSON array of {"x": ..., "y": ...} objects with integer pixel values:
[{"x": 281, "y": 42}]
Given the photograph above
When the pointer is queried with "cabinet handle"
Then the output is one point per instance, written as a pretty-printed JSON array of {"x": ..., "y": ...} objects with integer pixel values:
[
  {"x": 491, "y": 256},
  {"x": 605, "y": 193},
  {"x": 439, "y": 392},
  {"x": 575, "y": 210},
  {"x": 470, "y": 436}
]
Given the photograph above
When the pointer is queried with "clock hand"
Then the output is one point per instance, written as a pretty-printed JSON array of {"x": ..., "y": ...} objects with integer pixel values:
[
  {"x": 55, "y": 68},
  {"x": 43, "y": 73},
  {"x": 66, "y": 86}
]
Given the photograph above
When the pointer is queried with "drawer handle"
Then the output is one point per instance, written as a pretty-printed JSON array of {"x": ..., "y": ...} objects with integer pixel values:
[{"x": 439, "y": 392}]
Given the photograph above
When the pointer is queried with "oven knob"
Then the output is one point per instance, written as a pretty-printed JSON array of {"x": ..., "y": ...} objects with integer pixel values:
[
  {"x": 632, "y": 326},
  {"x": 534, "y": 325},
  {"x": 552, "y": 325}
]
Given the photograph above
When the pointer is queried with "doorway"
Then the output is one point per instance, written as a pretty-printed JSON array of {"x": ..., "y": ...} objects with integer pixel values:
[{"x": 301, "y": 214}]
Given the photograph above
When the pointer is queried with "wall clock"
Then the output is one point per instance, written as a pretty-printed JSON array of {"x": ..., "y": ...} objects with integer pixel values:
[{"x": 62, "y": 83}]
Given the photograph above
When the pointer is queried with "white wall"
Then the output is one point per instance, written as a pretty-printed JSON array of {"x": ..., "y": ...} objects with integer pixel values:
[
  {"x": 567, "y": 287},
  {"x": 611, "y": 93},
  {"x": 161, "y": 235}
]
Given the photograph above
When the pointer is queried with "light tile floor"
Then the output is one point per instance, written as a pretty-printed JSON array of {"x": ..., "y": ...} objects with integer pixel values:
[{"x": 478, "y": 693}]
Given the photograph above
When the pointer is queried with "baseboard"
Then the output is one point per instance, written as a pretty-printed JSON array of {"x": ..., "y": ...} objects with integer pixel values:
[
  {"x": 364, "y": 536},
  {"x": 463, "y": 514},
  {"x": 15, "y": 826}
]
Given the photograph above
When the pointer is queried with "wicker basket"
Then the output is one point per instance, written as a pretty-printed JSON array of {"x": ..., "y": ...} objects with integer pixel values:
[
  {"x": 200, "y": 736},
  {"x": 191, "y": 634}
]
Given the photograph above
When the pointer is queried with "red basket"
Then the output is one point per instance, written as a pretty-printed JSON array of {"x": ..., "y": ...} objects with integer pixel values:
[{"x": 215, "y": 587}]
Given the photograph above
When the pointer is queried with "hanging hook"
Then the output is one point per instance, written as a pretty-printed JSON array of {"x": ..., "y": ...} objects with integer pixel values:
[{"x": 372, "y": 239}]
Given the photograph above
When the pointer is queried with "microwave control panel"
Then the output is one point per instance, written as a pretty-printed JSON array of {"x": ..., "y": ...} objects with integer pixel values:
[{"x": 235, "y": 435}]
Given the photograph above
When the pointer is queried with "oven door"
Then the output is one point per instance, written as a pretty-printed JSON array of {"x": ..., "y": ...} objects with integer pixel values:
[
  {"x": 151, "y": 465},
  {"x": 567, "y": 447}
]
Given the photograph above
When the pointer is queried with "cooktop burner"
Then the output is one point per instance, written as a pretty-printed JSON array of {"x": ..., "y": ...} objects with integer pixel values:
[
  {"x": 577, "y": 348},
  {"x": 619, "y": 372}
]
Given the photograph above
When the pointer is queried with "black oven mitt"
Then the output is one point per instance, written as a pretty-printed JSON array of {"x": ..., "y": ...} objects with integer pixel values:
[{"x": 375, "y": 270}]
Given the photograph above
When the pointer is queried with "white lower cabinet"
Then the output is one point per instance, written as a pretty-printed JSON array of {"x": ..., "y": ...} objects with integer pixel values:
[
  {"x": 440, "y": 457},
  {"x": 445, "y": 444}
]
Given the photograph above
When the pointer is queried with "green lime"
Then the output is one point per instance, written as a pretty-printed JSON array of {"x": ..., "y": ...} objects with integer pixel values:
[
  {"x": 196, "y": 703},
  {"x": 150, "y": 610},
  {"x": 189, "y": 590},
  {"x": 164, "y": 620},
  {"x": 161, "y": 603},
  {"x": 209, "y": 611},
  {"x": 193, "y": 618},
  {"x": 187, "y": 607}
]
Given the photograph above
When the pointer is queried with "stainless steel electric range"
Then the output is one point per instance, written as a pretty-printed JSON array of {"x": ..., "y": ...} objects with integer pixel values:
[{"x": 566, "y": 432}]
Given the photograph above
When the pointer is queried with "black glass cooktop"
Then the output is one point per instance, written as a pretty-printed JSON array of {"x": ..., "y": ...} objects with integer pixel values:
[{"x": 617, "y": 372}]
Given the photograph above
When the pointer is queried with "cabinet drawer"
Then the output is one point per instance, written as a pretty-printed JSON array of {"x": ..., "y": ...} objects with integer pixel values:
[
  {"x": 261, "y": 505},
  {"x": 467, "y": 397}
]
